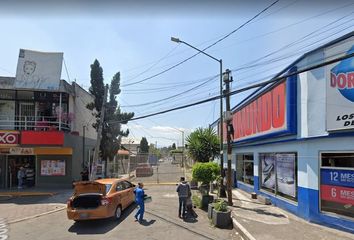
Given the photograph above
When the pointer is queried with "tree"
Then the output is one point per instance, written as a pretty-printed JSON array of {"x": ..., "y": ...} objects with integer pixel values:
[
  {"x": 114, "y": 118},
  {"x": 203, "y": 144},
  {"x": 174, "y": 146},
  {"x": 144, "y": 145}
]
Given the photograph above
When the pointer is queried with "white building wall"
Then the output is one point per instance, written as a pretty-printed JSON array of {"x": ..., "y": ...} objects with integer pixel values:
[{"x": 83, "y": 116}]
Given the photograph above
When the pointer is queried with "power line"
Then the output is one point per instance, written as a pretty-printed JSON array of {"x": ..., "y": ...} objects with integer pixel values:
[
  {"x": 153, "y": 65},
  {"x": 255, "y": 64},
  {"x": 245, "y": 88},
  {"x": 288, "y": 26},
  {"x": 211, "y": 45},
  {"x": 173, "y": 96}
]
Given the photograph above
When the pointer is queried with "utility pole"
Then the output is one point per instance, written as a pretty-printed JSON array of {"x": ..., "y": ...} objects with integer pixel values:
[
  {"x": 83, "y": 146},
  {"x": 230, "y": 132},
  {"x": 99, "y": 135}
]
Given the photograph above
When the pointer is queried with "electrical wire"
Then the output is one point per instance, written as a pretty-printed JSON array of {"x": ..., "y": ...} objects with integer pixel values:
[
  {"x": 211, "y": 45},
  {"x": 277, "y": 79},
  {"x": 173, "y": 96}
]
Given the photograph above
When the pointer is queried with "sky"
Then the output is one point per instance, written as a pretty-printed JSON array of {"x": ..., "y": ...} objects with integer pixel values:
[{"x": 134, "y": 39}]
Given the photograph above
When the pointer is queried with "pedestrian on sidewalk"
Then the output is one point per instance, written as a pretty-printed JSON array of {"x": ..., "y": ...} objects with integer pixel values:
[
  {"x": 139, "y": 200},
  {"x": 20, "y": 177},
  {"x": 84, "y": 174},
  {"x": 29, "y": 175},
  {"x": 184, "y": 191}
]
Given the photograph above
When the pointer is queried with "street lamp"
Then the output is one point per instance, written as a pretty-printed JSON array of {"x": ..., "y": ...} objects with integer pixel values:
[{"x": 222, "y": 188}]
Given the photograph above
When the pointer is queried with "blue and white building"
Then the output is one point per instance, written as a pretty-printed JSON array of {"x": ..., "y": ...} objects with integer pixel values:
[{"x": 293, "y": 139}]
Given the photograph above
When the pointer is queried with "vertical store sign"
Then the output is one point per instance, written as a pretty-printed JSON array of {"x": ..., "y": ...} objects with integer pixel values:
[
  {"x": 38, "y": 70},
  {"x": 286, "y": 173},
  {"x": 268, "y": 171},
  {"x": 340, "y": 88}
]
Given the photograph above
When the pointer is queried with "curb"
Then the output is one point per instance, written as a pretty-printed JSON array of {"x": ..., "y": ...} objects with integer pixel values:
[
  {"x": 163, "y": 183},
  {"x": 26, "y": 194},
  {"x": 37, "y": 215},
  {"x": 242, "y": 230}
]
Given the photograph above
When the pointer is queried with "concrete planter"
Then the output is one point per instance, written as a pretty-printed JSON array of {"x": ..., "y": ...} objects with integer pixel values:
[
  {"x": 206, "y": 199},
  {"x": 221, "y": 219},
  {"x": 210, "y": 210}
]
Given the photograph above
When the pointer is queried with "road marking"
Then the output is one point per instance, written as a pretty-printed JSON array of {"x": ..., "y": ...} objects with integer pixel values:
[
  {"x": 35, "y": 216},
  {"x": 172, "y": 221},
  {"x": 3, "y": 229},
  {"x": 169, "y": 195}
]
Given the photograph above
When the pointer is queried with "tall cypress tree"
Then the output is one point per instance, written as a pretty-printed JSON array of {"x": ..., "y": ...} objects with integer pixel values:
[
  {"x": 144, "y": 145},
  {"x": 114, "y": 118}
]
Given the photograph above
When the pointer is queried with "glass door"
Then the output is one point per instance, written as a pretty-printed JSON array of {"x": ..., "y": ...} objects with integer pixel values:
[{"x": 2, "y": 170}]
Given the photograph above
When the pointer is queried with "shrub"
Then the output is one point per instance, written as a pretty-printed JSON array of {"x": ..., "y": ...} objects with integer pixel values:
[
  {"x": 220, "y": 206},
  {"x": 205, "y": 172},
  {"x": 197, "y": 201}
]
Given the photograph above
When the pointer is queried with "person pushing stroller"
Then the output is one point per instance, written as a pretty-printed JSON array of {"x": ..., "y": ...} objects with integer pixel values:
[{"x": 185, "y": 200}]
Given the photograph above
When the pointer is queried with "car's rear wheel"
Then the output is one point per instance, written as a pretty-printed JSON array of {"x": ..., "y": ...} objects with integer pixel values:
[{"x": 118, "y": 213}]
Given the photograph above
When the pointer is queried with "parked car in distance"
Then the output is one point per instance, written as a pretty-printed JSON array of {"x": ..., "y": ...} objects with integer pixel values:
[
  {"x": 144, "y": 170},
  {"x": 102, "y": 198}
]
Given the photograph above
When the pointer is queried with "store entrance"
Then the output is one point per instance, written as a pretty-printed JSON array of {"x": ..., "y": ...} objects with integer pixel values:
[
  {"x": 21, "y": 166},
  {"x": 2, "y": 171}
]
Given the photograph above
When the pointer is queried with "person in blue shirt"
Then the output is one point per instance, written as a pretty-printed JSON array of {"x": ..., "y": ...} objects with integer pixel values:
[{"x": 139, "y": 199}]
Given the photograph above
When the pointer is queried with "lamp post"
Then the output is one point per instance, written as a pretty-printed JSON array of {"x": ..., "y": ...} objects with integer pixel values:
[{"x": 222, "y": 187}]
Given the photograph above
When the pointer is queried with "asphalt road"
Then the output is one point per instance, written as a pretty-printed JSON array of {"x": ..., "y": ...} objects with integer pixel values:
[
  {"x": 161, "y": 223},
  {"x": 165, "y": 172}
]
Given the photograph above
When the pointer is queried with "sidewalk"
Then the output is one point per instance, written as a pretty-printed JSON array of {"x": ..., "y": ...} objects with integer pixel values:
[
  {"x": 17, "y": 206},
  {"x": 258, "y": 221}
]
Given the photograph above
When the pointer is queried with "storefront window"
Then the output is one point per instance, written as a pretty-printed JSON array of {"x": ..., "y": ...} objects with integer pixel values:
[
  {"x": 278, "y": 174},
  {"x": 245, "y": 168},
  {"x": 337, "y": 183}
]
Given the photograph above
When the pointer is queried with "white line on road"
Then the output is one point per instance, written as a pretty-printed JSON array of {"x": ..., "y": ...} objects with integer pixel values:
[
  {"x": 35, "y": 216},
  {"x": 3, "y": 229}
]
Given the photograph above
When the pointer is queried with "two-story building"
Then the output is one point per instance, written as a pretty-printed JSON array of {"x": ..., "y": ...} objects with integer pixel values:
[
  {"x": 293, "y": 139},
  {"x": 45, "y": 126}
]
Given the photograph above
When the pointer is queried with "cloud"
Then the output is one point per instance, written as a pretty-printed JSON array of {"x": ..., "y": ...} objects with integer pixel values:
[{"x": 164, "y": 129}]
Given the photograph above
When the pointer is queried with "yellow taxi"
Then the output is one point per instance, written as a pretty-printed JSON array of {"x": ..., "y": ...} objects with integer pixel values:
[{"x": 102, "y": 198}]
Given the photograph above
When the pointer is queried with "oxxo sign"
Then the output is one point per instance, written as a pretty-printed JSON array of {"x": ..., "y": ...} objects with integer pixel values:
[
  {"x": 9, "y": 138},
  {"x": 264, "y": 115}
]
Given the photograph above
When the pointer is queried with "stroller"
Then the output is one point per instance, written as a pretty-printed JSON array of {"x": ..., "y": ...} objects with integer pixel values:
[{"x": 190, "y": 213}]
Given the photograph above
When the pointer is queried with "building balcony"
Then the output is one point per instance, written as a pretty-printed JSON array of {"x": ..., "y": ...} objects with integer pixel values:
[{"x": 34, "y": 123}]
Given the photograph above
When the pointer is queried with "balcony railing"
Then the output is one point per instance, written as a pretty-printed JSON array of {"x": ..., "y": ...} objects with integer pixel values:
[{"x": 36, "y": 123}]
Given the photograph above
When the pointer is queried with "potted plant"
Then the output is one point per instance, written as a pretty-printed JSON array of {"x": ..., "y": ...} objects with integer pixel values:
[
  {"x": 210, "y": 210},
  {"x": 205, "y": 173},
  {"x": 221, "y": 216}
]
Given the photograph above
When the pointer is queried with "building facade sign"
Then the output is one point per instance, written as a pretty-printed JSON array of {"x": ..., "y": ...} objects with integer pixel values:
[
  {"x": 272, "y": 113},
  {"x": 21, "y": 151},
  {"x": 9, "y": 138},
  {"x": 340, "y": 91},
  {"x": 38, "y": 70}
]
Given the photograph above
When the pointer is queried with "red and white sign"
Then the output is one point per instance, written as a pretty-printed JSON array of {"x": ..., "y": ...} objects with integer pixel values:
[
  {"x": 264, "y": 115},
  {"x": 9, "y": 138},
  {"x": 337, "y": 194}
]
